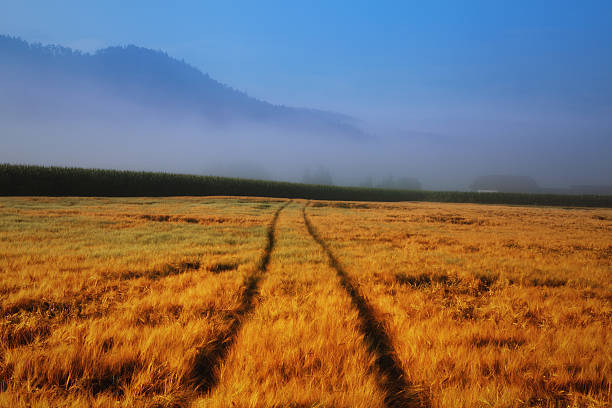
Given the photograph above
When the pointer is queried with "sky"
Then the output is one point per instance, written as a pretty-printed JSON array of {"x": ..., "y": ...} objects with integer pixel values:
[
  {"x": 350, "y": 55},
  {"x": 478, "y": 69}
]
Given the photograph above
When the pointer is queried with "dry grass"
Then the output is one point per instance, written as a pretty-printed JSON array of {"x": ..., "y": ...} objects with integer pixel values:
[
  {"x": 486, "y": 305},
  {"x": 100, "y": 308},
  {"x": 179, "y": 302},
  {"x": 302, "y": 345}
]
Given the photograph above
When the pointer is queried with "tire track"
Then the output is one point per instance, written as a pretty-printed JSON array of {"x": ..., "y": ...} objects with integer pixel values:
[
  {"x": 210, "y": 357},
  {"x": 391, "y": 379}
]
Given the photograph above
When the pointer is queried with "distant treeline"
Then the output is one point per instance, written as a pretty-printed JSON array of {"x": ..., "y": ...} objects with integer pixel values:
[{"x": 20, "y": 180}]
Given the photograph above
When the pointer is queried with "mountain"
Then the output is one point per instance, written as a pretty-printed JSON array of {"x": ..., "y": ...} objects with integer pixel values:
[{"x": 53, "y": 80}]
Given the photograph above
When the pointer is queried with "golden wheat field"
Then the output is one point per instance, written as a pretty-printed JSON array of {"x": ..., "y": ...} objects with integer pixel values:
[{"x": 252, "y": 302}]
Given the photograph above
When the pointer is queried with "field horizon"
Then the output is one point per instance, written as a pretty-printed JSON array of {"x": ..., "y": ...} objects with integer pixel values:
[{"x": 32, "y": 180}]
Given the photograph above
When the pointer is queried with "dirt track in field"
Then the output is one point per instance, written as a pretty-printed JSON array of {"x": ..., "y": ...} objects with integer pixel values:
[
  {"x": 212, "y": 355},
  {"x": 391, "y": 376}
]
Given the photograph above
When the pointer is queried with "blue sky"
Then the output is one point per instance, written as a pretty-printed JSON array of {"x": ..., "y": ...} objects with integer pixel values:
[{"x": 360, "y": 56}]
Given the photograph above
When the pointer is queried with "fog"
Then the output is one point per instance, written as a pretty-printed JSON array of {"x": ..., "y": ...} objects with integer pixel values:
[
  {"x": 83, "y": 121},
  {"x": 108, "y": 132}
]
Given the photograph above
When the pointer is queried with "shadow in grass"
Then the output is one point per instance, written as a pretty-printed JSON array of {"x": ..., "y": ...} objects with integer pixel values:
[
  {"x": 17, "y": 335},
  {"x": 204, "y": 373},
  {"x": 502, "y": 342},
  {"x": 46, "y": 308},
  {"x": 483, "y": 282},
  {"x": 166, "y": 270},
  {"x": 398, "y": 393},
  {"x": 179, "y": 219},
  {"x": 169, "y": 218},
  {"x": 111, "y": 380},
  {"x": 422, "y": 280},
  {"x": 554, "y": 393},
  {"x": 222, "y": 267},
  {"x": 548, "y": 282}
]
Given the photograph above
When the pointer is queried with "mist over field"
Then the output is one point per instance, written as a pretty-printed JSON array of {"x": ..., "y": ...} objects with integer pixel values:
[{"x": 432, "y": 126}]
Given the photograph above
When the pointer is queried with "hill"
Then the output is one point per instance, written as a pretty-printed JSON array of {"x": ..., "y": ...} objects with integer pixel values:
[{"x": 51, "y": 81}]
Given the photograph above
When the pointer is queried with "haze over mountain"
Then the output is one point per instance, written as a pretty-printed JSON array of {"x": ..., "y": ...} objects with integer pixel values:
[
  {"x": 134, "y": 108},
  {"x": 53, "y": 74}
]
